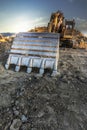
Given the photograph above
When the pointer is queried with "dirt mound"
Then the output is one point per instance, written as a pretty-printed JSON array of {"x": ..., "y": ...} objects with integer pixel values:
[
  {"x": 5, "y": 46},
  {"x": 28, "y": 102}
]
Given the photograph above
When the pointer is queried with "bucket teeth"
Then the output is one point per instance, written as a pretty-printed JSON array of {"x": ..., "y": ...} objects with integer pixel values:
[
  {"x": 55, "y": 73},
  {"x": 29, "y": 70},
  {"x": 40, "y": 50},
  {"x": 41, "y": 72},
  {"x": 7, "y": 66},
  {"x": 17, "y": 68}
]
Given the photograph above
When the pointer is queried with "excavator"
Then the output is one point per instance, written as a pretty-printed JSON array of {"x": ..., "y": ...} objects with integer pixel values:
[
  {"x": 70, "y": 37},
  {"x": 58, "y": 24}
]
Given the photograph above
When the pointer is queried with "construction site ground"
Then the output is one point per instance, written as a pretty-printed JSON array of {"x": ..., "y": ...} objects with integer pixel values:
[{"x": 30, "y": 102}]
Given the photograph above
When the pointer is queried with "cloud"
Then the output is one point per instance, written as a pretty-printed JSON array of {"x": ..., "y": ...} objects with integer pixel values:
[
  {"x": 30, "y": 24},
  {"x": 41, "y": 21},
  {"x": 80, "y": 20},
  {"x": 81, "y": 24}
]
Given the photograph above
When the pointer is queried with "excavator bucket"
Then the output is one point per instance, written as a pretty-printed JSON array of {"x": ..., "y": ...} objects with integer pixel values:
[{"x": 32, "y": 49}]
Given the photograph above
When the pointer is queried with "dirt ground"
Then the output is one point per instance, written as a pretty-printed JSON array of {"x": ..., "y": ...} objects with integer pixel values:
[{"x": 28, "y": 102}]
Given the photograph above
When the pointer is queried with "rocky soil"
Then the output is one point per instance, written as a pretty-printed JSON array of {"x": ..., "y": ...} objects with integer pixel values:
[{"x": 29, "y": 102}]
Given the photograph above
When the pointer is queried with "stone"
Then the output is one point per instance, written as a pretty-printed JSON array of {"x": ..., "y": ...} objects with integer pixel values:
[
  {"x": 16, "y": 103},
  {"x": 5, "y": 100},
  {"x": 16, "y": 113},
  {"x": 24, "y": 118},
  {"x": 15, "y": 124},
  {"x": 30, "y": 78}
]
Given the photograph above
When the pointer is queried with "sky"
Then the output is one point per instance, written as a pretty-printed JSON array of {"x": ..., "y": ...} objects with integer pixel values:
[{"x": 22, "y": 15}]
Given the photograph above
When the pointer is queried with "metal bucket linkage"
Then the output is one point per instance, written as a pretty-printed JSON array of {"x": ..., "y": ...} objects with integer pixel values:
[{"x": 35, "y": 50}]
